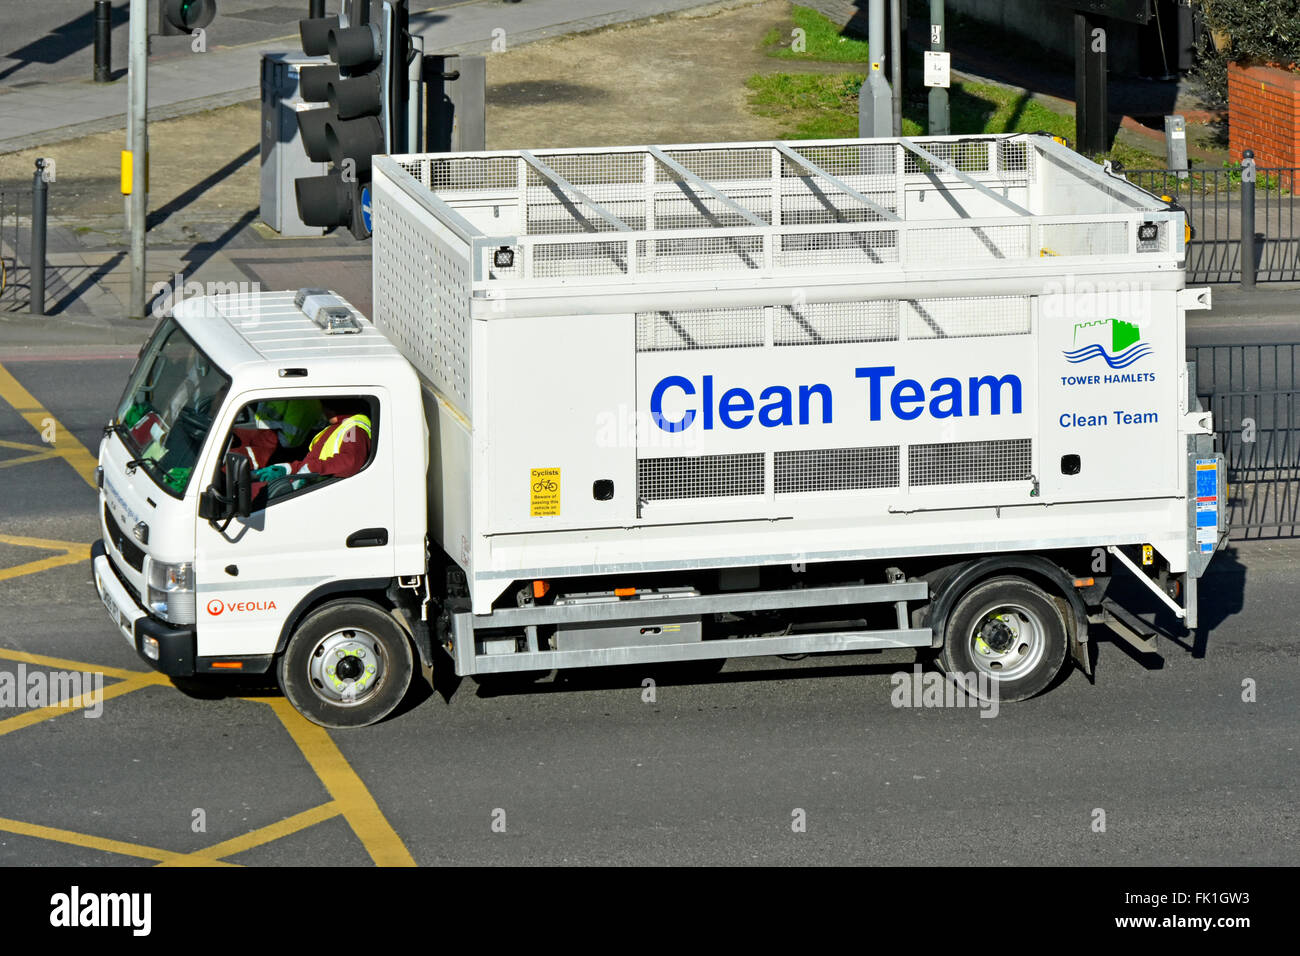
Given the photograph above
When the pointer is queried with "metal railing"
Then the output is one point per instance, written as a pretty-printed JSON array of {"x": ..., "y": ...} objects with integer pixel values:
[
  {"x": 1257, "y": 434},
  {"x": 1254, "y": 392},
  {"x": 15, "y": 217},
  {"x": 1213, "y": 200}
]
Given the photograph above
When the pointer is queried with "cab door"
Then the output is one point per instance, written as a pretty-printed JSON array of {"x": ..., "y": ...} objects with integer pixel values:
[{"x": 332, "y": 535}]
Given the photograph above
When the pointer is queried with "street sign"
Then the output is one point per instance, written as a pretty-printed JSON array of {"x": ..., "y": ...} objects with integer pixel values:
[
  {"x": 938, "y": 68},
  {"x": 365, "y": 208}
]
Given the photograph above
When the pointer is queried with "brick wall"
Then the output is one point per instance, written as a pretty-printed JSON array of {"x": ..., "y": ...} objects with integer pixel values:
[{"x": 1264, "y": 114}]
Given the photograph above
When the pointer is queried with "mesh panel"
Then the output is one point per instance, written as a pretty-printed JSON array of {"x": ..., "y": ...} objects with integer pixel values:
[
  {"x": 969, "y": 462},
  {"x": 612, "y": 181},
  {"x": 1085, "y": 238},
  {"x": 699, "y": 329},
  {"x": 964, "y": 318},
  {"x": 969, "y": 156},
  {"x": 705, "y": 476},
  {"x": 822, "y": 322},
  {"x": 808, "y": 198},
  {"x": 715, "y": 165},
  {"x": 948, "y": 245},
  {"x": 1013, "y": 157},
  {"x": 579, "y": 258},
  {"x": 869, "y": 164},
  {"x": 546, "y": 214},
  {"x": 678, "y": 210},
  {"x": 473, "y": 172},
  {"x": 836, "y": 469},
  {"x": 422, "y": 294},
  {"x": 720, "y": 254},
  {"x": 808, "y": 249}
]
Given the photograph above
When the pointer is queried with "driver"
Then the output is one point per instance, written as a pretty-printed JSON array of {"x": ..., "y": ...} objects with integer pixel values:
[
  {"x": 279, "y": 423},
  {"x": 340, "y": 449}
]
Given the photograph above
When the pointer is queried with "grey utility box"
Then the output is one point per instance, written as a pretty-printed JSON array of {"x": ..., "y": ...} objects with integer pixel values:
[{"x": 283, "y": 156}]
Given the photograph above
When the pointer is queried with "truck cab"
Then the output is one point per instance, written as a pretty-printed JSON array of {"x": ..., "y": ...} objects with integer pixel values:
[{"x": 200, "y": 582}]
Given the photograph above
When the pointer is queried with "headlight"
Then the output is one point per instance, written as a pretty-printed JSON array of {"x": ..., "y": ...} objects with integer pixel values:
[{"x": 171, "y": 591}]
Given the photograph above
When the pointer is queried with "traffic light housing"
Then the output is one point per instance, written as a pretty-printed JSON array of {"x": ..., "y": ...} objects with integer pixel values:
[
  {"x": 183, "y": 17},
  {"x": 364, "y": 88}
]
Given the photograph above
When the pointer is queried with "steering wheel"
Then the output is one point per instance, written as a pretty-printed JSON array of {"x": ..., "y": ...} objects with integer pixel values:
[
  {"x": 193, "y": 424},
  {"x": 285, "y": 484}
]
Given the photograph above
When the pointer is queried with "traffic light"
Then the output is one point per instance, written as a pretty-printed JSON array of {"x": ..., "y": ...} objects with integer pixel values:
[
  {"x": 365, "y": 87},
  {"x": 183, "y": 17}
]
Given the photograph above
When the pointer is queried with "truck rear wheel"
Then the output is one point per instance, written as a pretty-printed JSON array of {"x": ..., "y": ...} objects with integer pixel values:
[
  {"x": 1007, "y": 631},
  {"x": 348, "y": 664}
]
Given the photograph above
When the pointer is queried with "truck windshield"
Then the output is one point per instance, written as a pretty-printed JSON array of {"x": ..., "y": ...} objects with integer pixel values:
[{"x": 168, "y": 407}]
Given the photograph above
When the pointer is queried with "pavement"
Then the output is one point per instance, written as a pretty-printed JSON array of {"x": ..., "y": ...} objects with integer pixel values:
[{"x": 41, "y": 113}]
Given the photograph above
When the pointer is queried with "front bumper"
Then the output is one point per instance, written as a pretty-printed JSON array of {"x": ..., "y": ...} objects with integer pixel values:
[{"x": 176, "y": 644}]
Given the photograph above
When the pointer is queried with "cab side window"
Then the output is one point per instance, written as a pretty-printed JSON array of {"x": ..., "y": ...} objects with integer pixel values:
[{"x": 295, "y": 445}]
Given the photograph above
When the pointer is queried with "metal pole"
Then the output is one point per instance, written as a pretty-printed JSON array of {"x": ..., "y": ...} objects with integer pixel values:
[
  {"x": 316, "y": 9},
  {"x": 874, "y": 109},
  {"x": 103, "y": 41},
  {"x": 1090, "y": 90},
  {"x": 896, "y": 67},
  {"x": 138, "y": 144},
  {"x": 38, "y": 239},
  {"x": 1248, "y": 219},
  {"x": 940, "y": 125}
]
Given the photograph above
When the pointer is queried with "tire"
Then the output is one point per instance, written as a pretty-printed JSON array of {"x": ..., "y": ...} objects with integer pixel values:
[
  {"x": 325, "y": 671},
  {"x": 1009, "y": 631}
]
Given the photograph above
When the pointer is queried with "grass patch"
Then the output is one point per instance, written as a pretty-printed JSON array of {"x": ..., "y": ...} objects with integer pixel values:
[
  {"x": 814, "y": 37},
  {"x": 825, "y": 106}
]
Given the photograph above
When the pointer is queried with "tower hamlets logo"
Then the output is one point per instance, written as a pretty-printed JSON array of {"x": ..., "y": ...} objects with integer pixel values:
[{"x": 1116, "y": 342}]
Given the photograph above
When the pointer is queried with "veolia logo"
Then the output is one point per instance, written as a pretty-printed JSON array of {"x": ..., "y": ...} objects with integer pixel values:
[{"x": 216, "y": 607}]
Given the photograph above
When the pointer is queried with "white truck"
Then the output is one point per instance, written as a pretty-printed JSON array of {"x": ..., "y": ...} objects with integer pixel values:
[{"x": 683, "y": 403}]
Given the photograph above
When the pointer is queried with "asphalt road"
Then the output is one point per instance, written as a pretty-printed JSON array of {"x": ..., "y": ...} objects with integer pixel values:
[{"x": 587, "y": 771}]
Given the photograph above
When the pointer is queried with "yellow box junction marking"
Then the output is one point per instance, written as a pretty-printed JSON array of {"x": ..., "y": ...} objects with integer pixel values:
[
  {"x": 64, "y": 443},
  {"x": 73, "y": 553},
  {"x": 358, "y": 806},
  {"x": 349, "y": 796}
]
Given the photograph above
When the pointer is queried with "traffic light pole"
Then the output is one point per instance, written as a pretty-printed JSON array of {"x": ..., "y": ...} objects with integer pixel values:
[{"x": 138, "y": 144}]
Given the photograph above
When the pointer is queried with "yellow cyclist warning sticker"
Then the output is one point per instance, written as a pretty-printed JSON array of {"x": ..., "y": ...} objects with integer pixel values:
[{"x": 545, "y": 491}]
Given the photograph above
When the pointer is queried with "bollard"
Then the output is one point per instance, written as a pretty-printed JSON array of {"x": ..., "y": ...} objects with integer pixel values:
[
  {"x": 1248, "y": 219},
  {"x": 38, "y": 239},
  {"x": 103, "y": 41}
]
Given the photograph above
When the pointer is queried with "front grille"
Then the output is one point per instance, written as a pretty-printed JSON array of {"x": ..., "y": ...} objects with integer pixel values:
[{"x": 125, "y": 544}]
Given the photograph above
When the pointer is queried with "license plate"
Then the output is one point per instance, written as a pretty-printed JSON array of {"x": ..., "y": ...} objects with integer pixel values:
[{"x": 110, "y": 605}]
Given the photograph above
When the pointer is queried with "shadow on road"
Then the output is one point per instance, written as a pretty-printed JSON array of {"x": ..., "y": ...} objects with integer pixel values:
[{"x": 68, "y": 40}]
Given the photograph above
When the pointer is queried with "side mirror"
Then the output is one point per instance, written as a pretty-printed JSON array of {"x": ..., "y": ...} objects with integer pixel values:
[
  {"x": 231, "y": 495},
  {"x": 239, "y": 484}
]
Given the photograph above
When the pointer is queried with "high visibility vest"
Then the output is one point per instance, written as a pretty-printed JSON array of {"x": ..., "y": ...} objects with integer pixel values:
[
  {"x": 334, "y": 438},
  {"x": 296, "y": 419}
]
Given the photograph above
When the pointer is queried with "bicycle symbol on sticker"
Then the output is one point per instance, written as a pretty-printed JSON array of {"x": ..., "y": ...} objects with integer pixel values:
[{"x": 544, "y": 501}]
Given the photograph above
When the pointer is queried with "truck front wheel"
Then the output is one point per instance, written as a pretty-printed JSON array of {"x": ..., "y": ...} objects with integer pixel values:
[
  {"x": 348, "y": 664},
  {"x": 1005, "y": 634}
]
